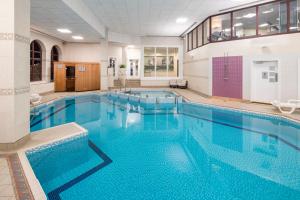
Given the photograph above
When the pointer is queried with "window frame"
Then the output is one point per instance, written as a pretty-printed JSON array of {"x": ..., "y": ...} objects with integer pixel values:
[
  {"x": 288, "y": 31},
  {"x": 52, "y": 61},
  {"x": 33, "y": 53}
]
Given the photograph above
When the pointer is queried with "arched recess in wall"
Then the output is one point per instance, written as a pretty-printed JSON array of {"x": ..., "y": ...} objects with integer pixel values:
[
  {"x": 55, "y": 56},
  {"x": 37, "y": 60}
]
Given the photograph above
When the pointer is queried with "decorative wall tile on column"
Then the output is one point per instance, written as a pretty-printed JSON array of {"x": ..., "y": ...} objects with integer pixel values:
[
  {"x": 15, "y": 91},
  {"x": 13, "y": 36},
  {"x": 228, "y": 76}
]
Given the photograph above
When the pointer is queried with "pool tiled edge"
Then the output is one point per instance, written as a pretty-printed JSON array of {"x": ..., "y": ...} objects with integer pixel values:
[{"x": 33, "y": 183}]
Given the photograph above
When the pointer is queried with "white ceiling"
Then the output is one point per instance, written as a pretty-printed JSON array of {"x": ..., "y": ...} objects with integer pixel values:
[
  {"x": 48, "y": 15},
  {"x": 155, "y": 17},
  {"x": 133, "y": 17}
]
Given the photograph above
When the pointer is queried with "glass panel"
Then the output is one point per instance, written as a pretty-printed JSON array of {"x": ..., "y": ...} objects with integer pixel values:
[
  {"x": 161, "y": 62},
  {"x": 195, "y": 38},
  {"x": 295, "y": 15},
  {"x": 244, "y": 23},
  {"x": 206, "y": 32},
  {"x": 149, "y": 62},
  {"x": 173, "y": 62},
  {"x": 200, "y": 35},
  {"x": 221, "y": 27},
  {"x": 190, "y": 41},
  {"x": 272, "y": 18}
]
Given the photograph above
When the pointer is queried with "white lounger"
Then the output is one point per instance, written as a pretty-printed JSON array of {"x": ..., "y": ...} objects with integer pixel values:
[
  {"x": 287, "y": 108},
  {"x": 35, "y": 99}
]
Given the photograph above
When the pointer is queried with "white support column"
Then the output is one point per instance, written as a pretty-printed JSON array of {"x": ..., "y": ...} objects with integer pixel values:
[{"x": 14, "y": 67}]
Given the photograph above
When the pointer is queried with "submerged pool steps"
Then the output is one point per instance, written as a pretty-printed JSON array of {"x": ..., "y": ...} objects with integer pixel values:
[{"x": 146, "y": 105}]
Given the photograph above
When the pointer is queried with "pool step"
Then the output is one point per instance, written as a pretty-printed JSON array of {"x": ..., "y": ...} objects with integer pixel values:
[{"x": 133, "y": 83}]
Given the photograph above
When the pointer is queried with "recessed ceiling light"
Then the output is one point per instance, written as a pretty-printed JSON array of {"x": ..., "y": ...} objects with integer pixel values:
[
  {"x": 63, "y": 30},
  {"x": 264, "y": 25},
  {"x": 77, "y": 37},
  {"x": 181, "y": 20},
  {"x": 249, "y": 15},
  {"x": 268, "y": 11},
  {"x": 238, "y": 24},
  {"x": 130, "y": 46}
]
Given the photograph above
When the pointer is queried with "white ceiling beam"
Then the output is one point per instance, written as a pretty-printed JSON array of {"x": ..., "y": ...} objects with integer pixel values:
[{"x": 86, "y": 14}]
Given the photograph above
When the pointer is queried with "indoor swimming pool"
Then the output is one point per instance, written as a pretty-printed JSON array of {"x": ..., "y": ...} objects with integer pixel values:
[{"x": 182, "y": 151}]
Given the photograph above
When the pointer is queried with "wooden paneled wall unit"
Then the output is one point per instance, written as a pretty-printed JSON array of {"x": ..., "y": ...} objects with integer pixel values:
[{"x": 87, "y": 76}]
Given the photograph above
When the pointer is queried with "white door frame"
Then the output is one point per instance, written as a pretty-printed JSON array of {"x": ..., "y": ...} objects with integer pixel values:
[{"x": 252, "y": 75}]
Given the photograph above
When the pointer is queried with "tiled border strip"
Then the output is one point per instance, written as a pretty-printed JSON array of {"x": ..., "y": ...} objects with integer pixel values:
[
  {"x": 21, "y": 186},
  {"x": 14, "y": 91},
  {"x": 14, "y": 36}
]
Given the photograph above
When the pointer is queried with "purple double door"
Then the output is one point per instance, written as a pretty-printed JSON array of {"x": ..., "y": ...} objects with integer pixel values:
[{"x": 228, "y": 76}]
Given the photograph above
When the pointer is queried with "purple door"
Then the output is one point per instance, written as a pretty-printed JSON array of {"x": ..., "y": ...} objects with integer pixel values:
[{"x": 228, "y": 76}]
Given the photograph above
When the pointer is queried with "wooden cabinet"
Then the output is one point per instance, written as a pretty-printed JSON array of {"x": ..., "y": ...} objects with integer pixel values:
[{"x": 80, "y": 76}]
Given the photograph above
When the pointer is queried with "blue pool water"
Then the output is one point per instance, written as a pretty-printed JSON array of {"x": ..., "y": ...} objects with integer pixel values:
[{"x": 185, "y": 152}]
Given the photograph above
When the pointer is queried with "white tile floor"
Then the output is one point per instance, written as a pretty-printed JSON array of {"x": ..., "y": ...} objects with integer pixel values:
[{"x": 6, "y": 184}]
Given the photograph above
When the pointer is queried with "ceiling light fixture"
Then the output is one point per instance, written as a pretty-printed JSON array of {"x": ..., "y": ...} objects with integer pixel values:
[
  {"x": 77, "y": 37},
  {"x": 249, "y": 15},
  {"x": 263, "y": 25},
  {"x": 181, "y": 20},
  {"x": 268, "y": 11},
  {"x": 238, "y": 24},
  {"x": 64, "y": 30}
]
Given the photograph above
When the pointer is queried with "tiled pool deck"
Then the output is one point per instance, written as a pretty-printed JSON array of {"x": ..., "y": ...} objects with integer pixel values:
[
  {"x": 14, "y": 185},
  {"x": 7, "y": 191}
]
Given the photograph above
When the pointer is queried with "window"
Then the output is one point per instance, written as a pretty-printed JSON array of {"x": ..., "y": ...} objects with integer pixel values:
[
  {"x": 206, "y": 38},
  {"x": 173, "y": 62},
  {"x": 195, "y": 38},
  {"x": 35, "y": 61},
  {"x": 221, "y": 27},
  {"x": 272, "y": 18},
  {"x": 244, "y": 23},
  {"x": 190, "y": 44},
  {"x": 161, "y": 62},
  {"x": 149, "y": 62},
  {"x": 200, "y": 36},
  {"x": 54, "y": 58},
  {"x": 294, "y": 15},
  {"x": 275, "y": 17}
]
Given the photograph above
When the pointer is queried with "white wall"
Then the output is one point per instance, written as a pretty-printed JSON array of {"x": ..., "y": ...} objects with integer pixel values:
[
  {"x": 99, "y": 52},
  {"x": 47, "y": 42},
  {"x": 160, "y": 42},
  {"x": 284, "y": 48},
  {"x": 89, "y": 52}
]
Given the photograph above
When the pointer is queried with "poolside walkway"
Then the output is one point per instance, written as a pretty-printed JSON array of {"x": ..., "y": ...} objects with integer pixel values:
[
  {"x": 7, "y": 191},
  {"x": 236, "y": 104}
]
